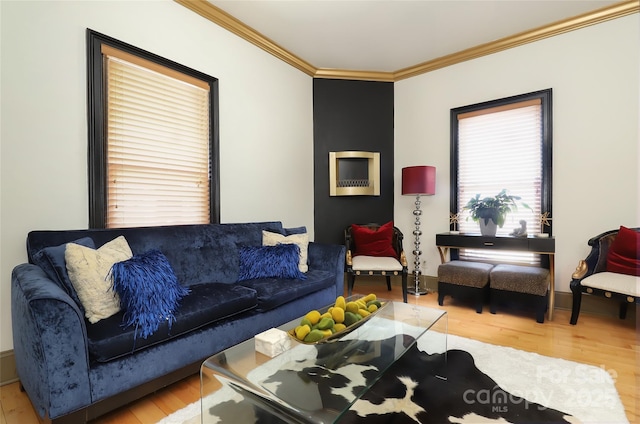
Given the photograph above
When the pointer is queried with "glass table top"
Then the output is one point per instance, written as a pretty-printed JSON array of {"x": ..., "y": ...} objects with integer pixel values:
[{"x": 318, "y": 382}]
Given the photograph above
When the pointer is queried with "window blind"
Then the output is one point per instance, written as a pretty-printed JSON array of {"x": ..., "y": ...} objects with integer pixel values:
[
  {"x": 158, "y": 158},
  {"x": 501, "y": 148}
]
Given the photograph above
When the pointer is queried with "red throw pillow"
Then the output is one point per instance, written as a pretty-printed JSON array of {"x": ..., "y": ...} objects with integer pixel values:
[
  {"x": 370, "y": 242},
  {"x": 624, "y": 253}
]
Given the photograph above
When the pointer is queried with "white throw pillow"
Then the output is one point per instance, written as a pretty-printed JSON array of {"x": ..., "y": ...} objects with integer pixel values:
[
  {"x": 302, "y": 240},
  {"x": 89, "y": 272}
]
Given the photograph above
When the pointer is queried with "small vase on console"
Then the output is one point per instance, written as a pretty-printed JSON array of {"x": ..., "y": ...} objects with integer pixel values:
[{"x": 488, "y": 227}]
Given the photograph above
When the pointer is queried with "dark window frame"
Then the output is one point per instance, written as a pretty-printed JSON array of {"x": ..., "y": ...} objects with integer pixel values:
[
  {"x": 545, "y": 97},
  {"x": 96, "y": 107}
]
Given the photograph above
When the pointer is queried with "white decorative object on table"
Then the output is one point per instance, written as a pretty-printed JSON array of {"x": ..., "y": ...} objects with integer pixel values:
[{"x": 272, "y": 342}]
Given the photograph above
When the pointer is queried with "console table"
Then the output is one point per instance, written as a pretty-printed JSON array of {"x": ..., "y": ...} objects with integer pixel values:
[{"x": 542, "y": 246}]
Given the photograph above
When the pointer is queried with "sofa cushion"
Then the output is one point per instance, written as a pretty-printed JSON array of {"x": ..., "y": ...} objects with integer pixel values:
[
  {"x": 280, "y": 261},
  {"x": 301, "y": 240},
  {"x": 205, "y": 304},
  {"x": 273, "y": 292},
  {"x": 149, "y": 291},
  {"x": 51, "y": 260},
  {"x": 624, "y": 253},
  {"x": 89, "y": 274},
  {"x": 374, "y": 242}
]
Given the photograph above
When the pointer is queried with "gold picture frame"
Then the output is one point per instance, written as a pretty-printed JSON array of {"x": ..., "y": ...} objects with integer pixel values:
[{"x": 368, "y": 185}]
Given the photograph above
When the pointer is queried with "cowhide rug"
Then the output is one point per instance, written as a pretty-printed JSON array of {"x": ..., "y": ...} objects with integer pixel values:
[
  {"x": 410, "y": 393},
  {"x": 412, "y": 390}
]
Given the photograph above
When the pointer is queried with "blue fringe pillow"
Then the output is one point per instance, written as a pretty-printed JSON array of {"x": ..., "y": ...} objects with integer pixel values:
[
  {"x": 280, "y": 261},
  {"x": 149, "y": 291}
]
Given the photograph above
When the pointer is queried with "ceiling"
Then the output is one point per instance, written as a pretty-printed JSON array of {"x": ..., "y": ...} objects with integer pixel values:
[{"x": 383, "y": 37}]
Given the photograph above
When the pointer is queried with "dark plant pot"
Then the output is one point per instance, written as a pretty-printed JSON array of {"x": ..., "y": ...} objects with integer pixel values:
[{"x": 488, "y": 229}]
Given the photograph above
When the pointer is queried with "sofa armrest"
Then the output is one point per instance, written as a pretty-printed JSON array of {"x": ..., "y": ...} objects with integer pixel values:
[
  {"x": 50, "y": 343},
  {"x": 328, "y": 257}
]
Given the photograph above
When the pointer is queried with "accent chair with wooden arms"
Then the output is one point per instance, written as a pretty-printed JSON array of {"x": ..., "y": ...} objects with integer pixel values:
[{"x": 376, "y": 250}]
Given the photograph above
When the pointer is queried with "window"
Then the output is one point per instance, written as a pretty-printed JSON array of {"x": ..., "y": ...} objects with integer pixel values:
[
  {"x": 503, "y": 144},
  {"x": 153, "y": 139}
]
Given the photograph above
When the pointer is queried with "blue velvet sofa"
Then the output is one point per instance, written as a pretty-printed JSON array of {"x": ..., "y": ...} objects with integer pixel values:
[{"x": 74, "y": 371}]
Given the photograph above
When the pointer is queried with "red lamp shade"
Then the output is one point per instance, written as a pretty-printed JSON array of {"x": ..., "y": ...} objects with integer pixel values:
[{"x": 419, "y": 180}]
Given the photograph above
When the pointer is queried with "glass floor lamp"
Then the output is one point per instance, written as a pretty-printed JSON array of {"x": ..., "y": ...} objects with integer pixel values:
[{"x": 418, "y": 181}]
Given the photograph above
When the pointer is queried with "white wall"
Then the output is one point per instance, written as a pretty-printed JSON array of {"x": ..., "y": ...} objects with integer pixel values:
[
  {"x": 266, "y": 132},
  {"x": 266, "y": 135},
  {"x": 594, "y": 74}
]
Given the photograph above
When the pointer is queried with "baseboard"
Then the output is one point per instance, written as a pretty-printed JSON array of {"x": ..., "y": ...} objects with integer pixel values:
[
  {"x": 431, "y": 283},
  {"x": 595, "y": 305},
  {"x": 8, "y": 373}
]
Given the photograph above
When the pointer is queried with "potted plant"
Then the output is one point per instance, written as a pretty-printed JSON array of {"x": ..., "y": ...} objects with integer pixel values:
[{"x": 490, "y": 212}]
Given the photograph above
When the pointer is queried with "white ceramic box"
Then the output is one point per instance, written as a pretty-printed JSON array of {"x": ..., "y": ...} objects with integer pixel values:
[{"x": 272, "y": 342}]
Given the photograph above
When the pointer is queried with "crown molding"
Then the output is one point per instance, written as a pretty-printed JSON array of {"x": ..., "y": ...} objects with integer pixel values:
[
  {"x": 228, "y": 22},
  {"x": 354, "y": 75},
  {"x": 223, "y": 19},
  {"x": 604, "y": 14}
]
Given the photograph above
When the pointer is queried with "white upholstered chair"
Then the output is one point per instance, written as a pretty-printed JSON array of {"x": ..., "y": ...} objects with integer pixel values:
[
  {"x": 594, "y": 276},
  {"x": 386, "y": 266}
]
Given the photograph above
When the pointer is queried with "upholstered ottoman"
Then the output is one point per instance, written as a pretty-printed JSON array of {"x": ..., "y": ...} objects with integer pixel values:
[
  {"x": 518, "y": 283},
  {"x": 464, "y": 279}
]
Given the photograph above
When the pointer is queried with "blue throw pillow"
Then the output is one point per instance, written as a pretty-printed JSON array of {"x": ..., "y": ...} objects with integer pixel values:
[
  {"x": 51, "y": 260},
  {"x": 149, "y": 291},
  {"x": 294, "y": 230},
  {"x": 280, "y": 261}
]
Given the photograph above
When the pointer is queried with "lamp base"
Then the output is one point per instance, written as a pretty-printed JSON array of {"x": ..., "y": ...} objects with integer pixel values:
[
  {"x": 417, "y": 291},
  {"x": 415, "y": 287}
]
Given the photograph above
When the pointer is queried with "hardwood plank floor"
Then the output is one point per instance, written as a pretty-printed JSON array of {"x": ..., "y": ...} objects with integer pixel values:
[{"x": 605, "y": 342}]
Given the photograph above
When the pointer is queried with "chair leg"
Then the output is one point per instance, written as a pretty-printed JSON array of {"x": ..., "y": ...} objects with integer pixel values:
[
  {"x": 479, "y": 306},
  {"x": 575, "y": 308},
  {"x": 541, "y": 308},
  {"x": 493, "y": 302},
  {"x": 485, "y": 298},
  {"x": 623, "y": 310},
  {"x": 388, "y": 277},
  {"x": 404, "y": 287},
  {"x": 351, "y": 280}
]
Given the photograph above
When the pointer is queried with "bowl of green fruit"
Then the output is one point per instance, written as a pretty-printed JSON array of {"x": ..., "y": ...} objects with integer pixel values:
[{"x": 332, "y": 322}]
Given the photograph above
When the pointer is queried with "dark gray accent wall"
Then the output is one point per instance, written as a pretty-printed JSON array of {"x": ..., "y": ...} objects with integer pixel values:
[{"x": 351, "y": 115}]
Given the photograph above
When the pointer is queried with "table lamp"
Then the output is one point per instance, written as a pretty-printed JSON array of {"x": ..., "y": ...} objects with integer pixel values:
[{"x": 418, "y": 181}]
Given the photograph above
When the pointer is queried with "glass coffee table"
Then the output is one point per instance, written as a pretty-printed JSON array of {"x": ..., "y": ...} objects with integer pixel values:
[{"x": 314, "y": 383}]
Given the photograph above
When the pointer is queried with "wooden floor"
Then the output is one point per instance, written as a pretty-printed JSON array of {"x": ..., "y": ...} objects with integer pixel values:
[{"x": 601, "y": 341}]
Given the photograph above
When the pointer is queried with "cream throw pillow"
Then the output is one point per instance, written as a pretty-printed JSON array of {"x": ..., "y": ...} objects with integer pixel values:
[
  {"x": 89, "y": 272},
  {"x": 302, "y": 240}
]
